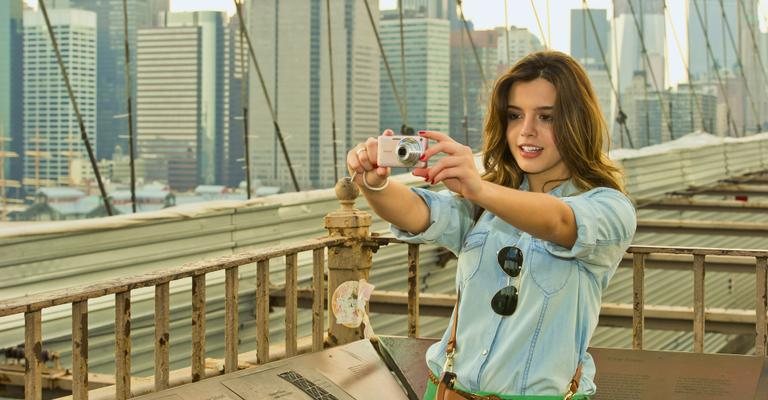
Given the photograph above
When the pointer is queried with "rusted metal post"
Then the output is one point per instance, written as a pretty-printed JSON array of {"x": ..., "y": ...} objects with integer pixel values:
[{"x": 350, "y": 261}]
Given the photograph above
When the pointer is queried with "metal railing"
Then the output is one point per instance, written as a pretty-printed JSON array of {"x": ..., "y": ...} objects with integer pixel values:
[
  {"x": 32, "y": 307},
  {"x": 700, "y": 314}
]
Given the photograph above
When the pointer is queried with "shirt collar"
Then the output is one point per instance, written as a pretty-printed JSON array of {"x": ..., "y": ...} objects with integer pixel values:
[{"x": 567, "y": 188}]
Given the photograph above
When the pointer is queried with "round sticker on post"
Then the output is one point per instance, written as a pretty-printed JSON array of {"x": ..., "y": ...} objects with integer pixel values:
[
  {"x": 348, "y": 305},
  {"x": 345, "y": 305}
]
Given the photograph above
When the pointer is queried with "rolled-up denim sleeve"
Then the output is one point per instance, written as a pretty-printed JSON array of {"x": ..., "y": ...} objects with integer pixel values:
[
  {"x": 605, "y": 223},
  {"x": 450, "y": 217}
]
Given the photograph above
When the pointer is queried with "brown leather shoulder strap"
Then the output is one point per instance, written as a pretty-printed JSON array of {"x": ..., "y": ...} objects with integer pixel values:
[
  {"x": 573, "y": 385},
  {"x": 451, "y": 347}
]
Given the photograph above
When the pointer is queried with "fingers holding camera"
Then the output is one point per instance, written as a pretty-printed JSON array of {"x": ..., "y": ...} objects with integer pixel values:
[
  {"x": 362, "y": 159},
  {"x": 456, "y": 174}
]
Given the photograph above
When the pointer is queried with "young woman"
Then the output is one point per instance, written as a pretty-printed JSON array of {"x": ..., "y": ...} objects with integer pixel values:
[{"x": 538, "y": 234}]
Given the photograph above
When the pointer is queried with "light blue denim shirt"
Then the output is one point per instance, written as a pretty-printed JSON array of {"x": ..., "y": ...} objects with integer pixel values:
[{"x": 536, "y": 350}]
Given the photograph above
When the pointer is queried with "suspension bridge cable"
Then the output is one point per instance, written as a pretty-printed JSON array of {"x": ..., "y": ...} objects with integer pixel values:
[
  {"x": 740, "y": 64},
  {"x": 538, "y": 23},
  {"x": 272, "y": 113},
  {"x": 464, "y": 95},
  {"x": 244, "y": 102},
  {"x": 73, "y": 101},
  {"x": 333, "y": 97},
  {"x": 549, "y": 24},
  {"x": 696, "y": 99},
  {"x": 711, "y": 55},
  {"x": 127, "y": 71},
  {"x": 647, "y": 106},
  {"x": 472, "y": 42},
  {"x": 400, "y": 104},
  {"x": 644, "y": 49},
  {"x": 506, "y": 32},
  {"x": 621, "y": 118},
  {"x": 402, "y": 63}
]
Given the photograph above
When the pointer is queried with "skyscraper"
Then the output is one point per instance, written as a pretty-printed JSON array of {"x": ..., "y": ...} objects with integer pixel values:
[
  {"x": 635, "y": 23},
  {"x": 112, "y": 123},
  {"x": 733, "y": 41},
  {"x": 182, "y": 97},
  {"x": 425, "y": 92},
  {"x": 691, "y": 109},
  {"x": 521, "y": 43},
  {"x": 437, "y": 9},
  {"x": 700, "y": 62},
  {"x": 11, "y": 89},
  {"x": 584, "y": 39},
  {"x": 591, "y": 45},
  {"x": 469, "y": 94},
  {"x": 291, "y": 46},
  {"x": 361, "y": 76},
  {"x": 644, "y": 113},
  {"x": 648, "y": 15},
  {"x": 233, "y": 151},
  {"x": 51, "y": 133}
]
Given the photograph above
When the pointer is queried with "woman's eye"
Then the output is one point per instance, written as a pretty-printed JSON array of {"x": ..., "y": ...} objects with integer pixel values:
[
  {"x": 546, "y": 117},
  {"x": 512, "y": 116}
]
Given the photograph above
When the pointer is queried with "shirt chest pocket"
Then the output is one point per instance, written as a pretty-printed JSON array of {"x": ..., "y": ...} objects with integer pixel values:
[
  {"x": 471, "y": 255},
  {"x": 550, "y": 273}
]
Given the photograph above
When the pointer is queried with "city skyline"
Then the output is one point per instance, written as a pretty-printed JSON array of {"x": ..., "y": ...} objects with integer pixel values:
[
  {"x": 488, "y": 14},
  {"x": 295, "y": 78}
]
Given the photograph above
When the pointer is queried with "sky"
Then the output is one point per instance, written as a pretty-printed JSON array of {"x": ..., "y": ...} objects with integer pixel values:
[{"x": 553, "y": 14}]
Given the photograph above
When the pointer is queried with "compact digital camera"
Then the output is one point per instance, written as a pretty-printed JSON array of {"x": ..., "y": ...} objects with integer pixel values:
[{"x": 401, "y": 151}]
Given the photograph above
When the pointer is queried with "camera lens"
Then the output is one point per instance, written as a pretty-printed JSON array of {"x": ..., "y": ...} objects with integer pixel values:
[{"x": 408, "y": 151}]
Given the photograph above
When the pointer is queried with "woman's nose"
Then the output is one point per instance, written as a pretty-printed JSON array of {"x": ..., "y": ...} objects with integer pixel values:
[{"x": 528, "y": 128}]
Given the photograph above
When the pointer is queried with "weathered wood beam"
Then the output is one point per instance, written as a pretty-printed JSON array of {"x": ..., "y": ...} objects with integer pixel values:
[
  {"x": 53, "y": 379},
  {"x": 730, "y": 189},
  {"x": 680, "y": 226},
  {"x": 687, "y": 203}
]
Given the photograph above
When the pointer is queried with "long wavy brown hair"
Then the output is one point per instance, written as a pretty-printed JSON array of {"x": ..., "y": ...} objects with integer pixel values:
[{"x": 579, "y": 128}]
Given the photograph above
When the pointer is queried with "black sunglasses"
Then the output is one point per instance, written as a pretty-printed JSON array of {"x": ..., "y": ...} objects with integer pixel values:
[{"x": 504, "y": 302}]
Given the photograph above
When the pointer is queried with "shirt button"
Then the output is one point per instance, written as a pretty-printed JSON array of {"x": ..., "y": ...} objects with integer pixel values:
[{"x": 485, "y": 352}]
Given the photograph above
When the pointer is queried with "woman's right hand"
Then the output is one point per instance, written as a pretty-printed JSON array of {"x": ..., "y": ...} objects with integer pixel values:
[{"x": 361, "y": 159}]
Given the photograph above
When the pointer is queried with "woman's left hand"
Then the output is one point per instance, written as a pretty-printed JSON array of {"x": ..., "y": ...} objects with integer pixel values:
[{"x": 456, "y": 170}]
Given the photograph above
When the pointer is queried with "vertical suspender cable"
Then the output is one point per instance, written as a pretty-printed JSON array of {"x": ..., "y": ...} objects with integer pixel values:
[
  {"x": 129, "y": 98},
  {"x": 333, "y": 97},
  {"x": 272, "y": 114},
  {"x": 584, "y": 35},
  {"x": 384, "y": 58},
  {"x": 506, "y": 34},
  {"x": 717, "y": 72},
  {"x": 740, "y": 64},
  {"x": 244, "y": 73},
  {"x": 464, "y": 96},
  {"x": 621, "y": 118},
  {"x": 538, "y": 23},
  {"x": 73, "y": 100},
  {"x": 695, "y": 97},
  {"x": 402, "y": 64},
  {"x": 549, "y": 25},
  {"x": 650, "y": 67},
  {"x": 472, "y": 43}
]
